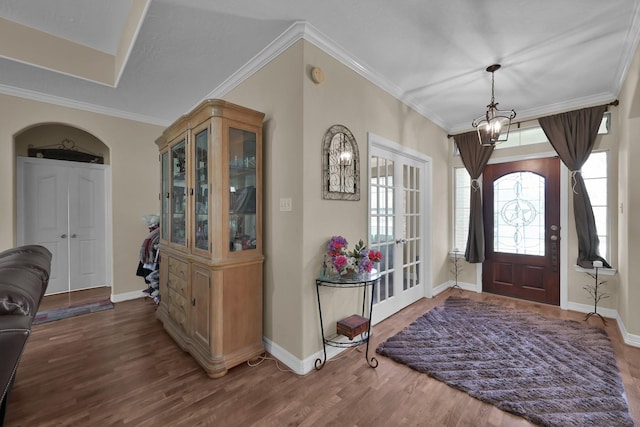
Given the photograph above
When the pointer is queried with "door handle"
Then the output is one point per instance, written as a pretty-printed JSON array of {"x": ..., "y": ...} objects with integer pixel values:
[
  {"x": 553, "y": 237},
  {"x": 73, "y": 236},
  {"x": 64, "y": 236},
  {"x": 403, "y": 241}
]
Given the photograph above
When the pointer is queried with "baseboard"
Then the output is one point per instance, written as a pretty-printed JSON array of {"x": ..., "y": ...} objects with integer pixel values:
[
  {"x": 629, "y": 339},
  {"x": 300, "y": 367},
  {"x": 451, "y": 283},
  {"x": 128, "y": 296}
]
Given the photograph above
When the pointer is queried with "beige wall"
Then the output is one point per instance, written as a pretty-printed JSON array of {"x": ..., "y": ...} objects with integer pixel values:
[
  {"x": 276, "y": 91},
  {"x": 629, "y": 200},
  {"x": 298, "y": 113},
  {"x": 134, "y": 176}
]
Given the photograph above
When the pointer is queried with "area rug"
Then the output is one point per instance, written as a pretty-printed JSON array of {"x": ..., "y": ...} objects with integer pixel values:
[
  {"x": 551, "y": 372},
  {"x": 71, "y": 311}
]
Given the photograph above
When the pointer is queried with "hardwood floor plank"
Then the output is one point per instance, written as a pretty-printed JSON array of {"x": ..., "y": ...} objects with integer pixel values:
[
  {"x": 119, "y": 368},
  {"x": 67, "y": 299}
]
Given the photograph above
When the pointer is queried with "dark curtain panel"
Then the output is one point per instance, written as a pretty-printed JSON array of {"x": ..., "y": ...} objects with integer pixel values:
[
  {"x": 572, "y": 135},
  {"x": 475, "y": 158}
]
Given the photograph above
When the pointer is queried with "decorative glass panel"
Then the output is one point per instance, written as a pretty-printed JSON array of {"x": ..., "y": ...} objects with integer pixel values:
[
  {"x": 242, "y": 190},
  {"x": 202, "y": 190},
  {"x": 519, "y": 213},
  {"x": 164, "y": 226},
  {"x": 178, "y": 192}
]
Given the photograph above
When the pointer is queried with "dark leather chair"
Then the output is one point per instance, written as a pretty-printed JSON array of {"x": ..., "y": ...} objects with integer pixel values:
[{"x": 24, "y": 276}]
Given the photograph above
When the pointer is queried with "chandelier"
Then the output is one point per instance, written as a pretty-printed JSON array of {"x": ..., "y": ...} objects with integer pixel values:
[{"x": 493, "y": 126}]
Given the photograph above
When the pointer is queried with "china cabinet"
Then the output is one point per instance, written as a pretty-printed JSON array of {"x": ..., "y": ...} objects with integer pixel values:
[{"x": 211, "y": 234}]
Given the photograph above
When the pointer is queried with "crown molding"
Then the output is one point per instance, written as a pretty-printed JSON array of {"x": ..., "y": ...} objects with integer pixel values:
[
  {"x": 85, "y": 106},
  {"x": 550, "y": 109},
  {"x": 628, "y": 52},
  {"x": 291, "y": 35},
  {"x": 304, "y": 30}
]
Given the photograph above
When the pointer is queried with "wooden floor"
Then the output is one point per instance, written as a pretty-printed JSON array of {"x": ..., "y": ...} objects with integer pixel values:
[
  {"x": 119, "y": 368},
  {"x": 67, "y": 299}
]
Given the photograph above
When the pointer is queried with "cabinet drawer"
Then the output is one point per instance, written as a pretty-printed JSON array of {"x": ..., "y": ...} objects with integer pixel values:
[
  {"x": 178, "y": 268},
  {"x": 178, "y": 301},
  {"x": 177, "y": 284},
  {"x": 178, "y": 316}
]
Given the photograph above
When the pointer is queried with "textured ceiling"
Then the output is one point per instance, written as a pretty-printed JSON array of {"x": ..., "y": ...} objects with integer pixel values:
[{"x": 555, "y": 54}]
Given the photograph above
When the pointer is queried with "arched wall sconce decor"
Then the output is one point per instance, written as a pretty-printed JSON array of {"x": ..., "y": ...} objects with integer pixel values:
[{"x": 340, "y": 165}]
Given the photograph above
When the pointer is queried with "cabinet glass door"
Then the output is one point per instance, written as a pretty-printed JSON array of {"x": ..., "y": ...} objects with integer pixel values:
[
  {"x": 201, "y": 210},
  {"x": 178, "y": 192},
  {"x": 242, "y": 190},
  {"x": 164, "y": 213}
]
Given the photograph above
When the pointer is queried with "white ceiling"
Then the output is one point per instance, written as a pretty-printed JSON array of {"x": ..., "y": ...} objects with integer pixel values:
[{"x": 555, "y": 54}]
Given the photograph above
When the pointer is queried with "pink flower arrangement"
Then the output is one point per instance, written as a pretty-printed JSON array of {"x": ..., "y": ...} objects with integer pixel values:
[{"x": 359, "y": 260}]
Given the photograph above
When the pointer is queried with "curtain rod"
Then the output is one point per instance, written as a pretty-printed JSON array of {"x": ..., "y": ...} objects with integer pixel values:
[{"x": 612, "y": 103}]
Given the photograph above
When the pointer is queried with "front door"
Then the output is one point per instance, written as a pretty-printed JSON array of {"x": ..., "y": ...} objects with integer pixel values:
[
  {"x": 521, "y": 207},
  {"x": 399, "y": 191}
]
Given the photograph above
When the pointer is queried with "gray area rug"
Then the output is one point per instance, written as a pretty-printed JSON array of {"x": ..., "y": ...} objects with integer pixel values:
[
  {"x": 551, "y": 372},
  {"x": 71, "y": 311}
]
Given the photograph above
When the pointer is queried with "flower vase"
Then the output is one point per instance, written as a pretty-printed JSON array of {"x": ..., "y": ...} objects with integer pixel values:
[{"x": 351, "y": 274}]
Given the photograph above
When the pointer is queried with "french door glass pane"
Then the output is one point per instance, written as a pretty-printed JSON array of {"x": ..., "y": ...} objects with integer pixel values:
[
  {"x": 519, "y": 212},
  {"x": 382, "y": 214},
  {"x": 411, "y": 226}
]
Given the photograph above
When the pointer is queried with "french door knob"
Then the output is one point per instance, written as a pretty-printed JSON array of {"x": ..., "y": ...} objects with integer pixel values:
[
  {"x": 73, "y": 236},
  {"x": 64, "y": 236},
  {"x": 403, "y": 241}
]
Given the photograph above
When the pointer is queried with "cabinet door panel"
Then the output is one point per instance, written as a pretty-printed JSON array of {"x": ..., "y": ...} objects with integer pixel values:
[
  {"x": 242, "y": 190},
  {"x": 179, "y": 193},
  {"x": 200, "y": 298},
  {"x": 200, "y": 208}
]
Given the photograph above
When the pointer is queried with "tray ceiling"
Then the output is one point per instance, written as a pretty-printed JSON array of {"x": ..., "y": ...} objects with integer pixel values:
[{"x": 127, "y": 57}]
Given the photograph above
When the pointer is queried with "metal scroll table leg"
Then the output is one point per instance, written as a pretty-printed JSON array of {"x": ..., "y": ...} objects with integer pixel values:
[
  {"x": 373, "y": 362},
  {"x": 319, "y": 364}
]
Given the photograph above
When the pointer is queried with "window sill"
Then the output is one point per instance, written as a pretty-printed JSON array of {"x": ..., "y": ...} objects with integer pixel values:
[{"x": 601, "y": 271}]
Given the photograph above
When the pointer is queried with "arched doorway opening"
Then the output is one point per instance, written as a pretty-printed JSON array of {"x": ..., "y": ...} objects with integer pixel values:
[{"x": 62, "y": 195}]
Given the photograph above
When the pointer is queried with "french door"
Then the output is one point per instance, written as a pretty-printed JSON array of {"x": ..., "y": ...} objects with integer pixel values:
[
  {"x": 398, "y": 194},
  {"x": 62, "y": 206},
  {"x": 521, "y": 208}
]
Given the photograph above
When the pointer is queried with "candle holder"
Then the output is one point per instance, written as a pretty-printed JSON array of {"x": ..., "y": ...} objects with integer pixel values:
[
  {"x": 596, "y": 293},
  {"x": 456, "y": 269}
]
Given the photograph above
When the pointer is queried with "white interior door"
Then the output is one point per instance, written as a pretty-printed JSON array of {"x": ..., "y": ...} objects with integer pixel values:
[
  {"x": 45, "y": 216},
  {"x": 62, "y": 206},
  {"x": 399, "y": 194},
  {"x": 87, "y": 250}
]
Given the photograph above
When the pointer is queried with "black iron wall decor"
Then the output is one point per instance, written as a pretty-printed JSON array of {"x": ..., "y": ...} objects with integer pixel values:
[
  {"x": 66, "y": 150},
  {"x": 340, "y": 165}
]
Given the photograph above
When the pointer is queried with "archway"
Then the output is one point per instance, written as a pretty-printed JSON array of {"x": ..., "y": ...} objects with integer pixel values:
[{"x": 62, "y": 196}]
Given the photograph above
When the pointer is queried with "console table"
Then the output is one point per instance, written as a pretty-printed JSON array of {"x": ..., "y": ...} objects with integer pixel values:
[{"x": 364, "y": 281}]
